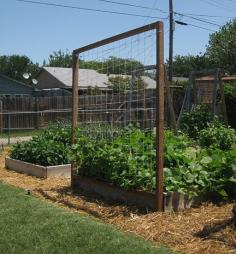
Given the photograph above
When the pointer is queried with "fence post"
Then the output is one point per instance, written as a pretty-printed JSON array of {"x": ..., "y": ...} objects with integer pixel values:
[
  {"x": 1, "y": 116},
  {"x": 223, "y": 104},
  {"x": 36, "y": 109},
  {"x": 159, "y": 115},
  {"x": 75, "y": 79},
  {"x": 9, "y": 126}
]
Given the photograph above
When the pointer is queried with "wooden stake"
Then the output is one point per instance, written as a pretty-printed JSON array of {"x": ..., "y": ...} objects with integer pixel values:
[{"x": 170, "y": 104}]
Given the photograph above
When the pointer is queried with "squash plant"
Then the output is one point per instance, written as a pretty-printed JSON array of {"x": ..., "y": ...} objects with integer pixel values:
[
  {"x": 41, "y": 151},
  {"x": 127, "y": 157}
]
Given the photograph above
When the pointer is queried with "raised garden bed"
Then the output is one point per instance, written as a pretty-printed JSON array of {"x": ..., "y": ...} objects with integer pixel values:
[
  {"x": 174, "y": 201},
  {"x": 38, "y": 170}
]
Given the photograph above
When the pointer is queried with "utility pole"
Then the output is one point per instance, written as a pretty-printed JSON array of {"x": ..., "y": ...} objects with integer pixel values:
[{"x": 171, "y": 33}]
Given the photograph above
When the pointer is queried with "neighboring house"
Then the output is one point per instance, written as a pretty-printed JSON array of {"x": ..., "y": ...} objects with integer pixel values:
[
  {"x": 10, "y": 86},
  {"x": 58, "y": 77}
]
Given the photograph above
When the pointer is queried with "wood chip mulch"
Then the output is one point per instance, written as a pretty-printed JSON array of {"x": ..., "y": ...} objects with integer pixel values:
[{"x": 207, "y": 229}]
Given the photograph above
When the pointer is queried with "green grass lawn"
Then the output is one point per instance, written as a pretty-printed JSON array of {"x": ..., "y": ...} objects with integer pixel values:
[{"x": 30, "y": 225}]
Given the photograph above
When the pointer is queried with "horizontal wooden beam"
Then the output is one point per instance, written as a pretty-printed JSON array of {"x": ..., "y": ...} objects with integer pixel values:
[
  {"x": 204, "y": 72},
  {"x": 117, "y": 37}
]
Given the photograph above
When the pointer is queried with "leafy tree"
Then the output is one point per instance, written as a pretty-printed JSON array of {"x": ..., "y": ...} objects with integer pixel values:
[
  {"x": 15, "y": 66},
  {"x": 183, "y": 65},
  {"x": 222, "y": 47},
  {"x": 119, "y": 83},
  {"x": 113, "y": 65},
  {"x": 123, "y": 83},
  {"x": 60, "y": 59},
  {"x": 117, "y": 65}
]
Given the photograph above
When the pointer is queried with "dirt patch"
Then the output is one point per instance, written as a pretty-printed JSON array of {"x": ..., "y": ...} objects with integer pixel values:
[{"x": 207, "y": 229}]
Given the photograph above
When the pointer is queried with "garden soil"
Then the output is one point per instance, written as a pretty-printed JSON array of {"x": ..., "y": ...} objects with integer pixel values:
[{"x": 206, "y": 229}]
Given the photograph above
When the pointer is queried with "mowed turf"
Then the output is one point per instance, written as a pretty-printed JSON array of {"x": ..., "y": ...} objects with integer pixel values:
[{"x": 30, "y": 225}]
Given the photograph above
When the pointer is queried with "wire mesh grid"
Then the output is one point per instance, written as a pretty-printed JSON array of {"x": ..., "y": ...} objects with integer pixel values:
[
  {"x": 117, "y": 90},
  {"x": 118, "y": 109}
]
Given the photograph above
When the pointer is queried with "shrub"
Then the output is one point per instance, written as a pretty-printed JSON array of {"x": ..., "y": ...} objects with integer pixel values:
[
  {"x": 218, "y": 136},
  {"x": 195, "y": 121}
]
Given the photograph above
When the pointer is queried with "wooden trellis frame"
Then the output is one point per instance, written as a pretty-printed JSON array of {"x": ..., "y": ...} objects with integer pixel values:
[{"x": 158, "y": 26}]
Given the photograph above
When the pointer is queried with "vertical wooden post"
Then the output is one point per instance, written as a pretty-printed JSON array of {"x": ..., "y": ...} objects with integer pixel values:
[
  {"x": 74, "y": 123},
  {"x": 159, "y": 115},
  {"x": 36, "y": 109},
  {"x": 215, "y": 86},
  {"x": 171, "y": 39},
  {"x": 1, "y": 116},
  {"x": 170, "y": 103},
  {"x": 222, "y": 95},
  {"x": 194, "y": 86}
]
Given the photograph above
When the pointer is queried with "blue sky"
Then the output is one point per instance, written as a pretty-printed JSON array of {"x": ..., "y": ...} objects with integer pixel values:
[{"x": 37, "y": 30}]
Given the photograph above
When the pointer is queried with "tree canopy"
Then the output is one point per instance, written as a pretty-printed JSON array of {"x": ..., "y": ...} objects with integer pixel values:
[
  {"x": 183, "y": 65},
  {"x": 60, "y": 59},
  {"x": 120, "y": 83},
  {"x": 15, "y": 66},
  {"x": 111, "y": 65},
  {"x": 220, "y": 53},
  {"x": 222, "y": 47}
]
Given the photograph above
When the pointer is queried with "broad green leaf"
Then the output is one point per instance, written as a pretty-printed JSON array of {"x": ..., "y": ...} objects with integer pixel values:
[{"x": 206, "y": 160}]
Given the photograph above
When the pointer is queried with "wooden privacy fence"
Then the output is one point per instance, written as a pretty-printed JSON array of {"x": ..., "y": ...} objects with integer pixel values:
[
  {"x": 33, "y": 112},
  {"x": 37, "y": 112}
]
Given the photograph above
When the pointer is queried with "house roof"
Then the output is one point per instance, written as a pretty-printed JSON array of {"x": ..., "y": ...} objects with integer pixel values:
[
  {"x": 64, "y": 75},
  {"x": 88, "y": 77},
  {"x": 9, "y": 86}
]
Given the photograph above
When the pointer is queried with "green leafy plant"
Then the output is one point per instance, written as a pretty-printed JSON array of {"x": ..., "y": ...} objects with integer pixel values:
[
  {"x": 49, "y": 148},
  {"x": 129, "y": 161},
  {"x": 127, "y": 157},
  {"x": 218, "y": 136},
  {"x": 59, "y": 132},
  {"x": 196, "y": 120},
  {"x": 41, "y": 151}
]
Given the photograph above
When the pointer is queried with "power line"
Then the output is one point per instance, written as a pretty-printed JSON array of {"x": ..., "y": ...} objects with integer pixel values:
[
  {"x": 90, "y": 9},
  {"x": 205, "y": 15},
  {"x": 215, "y": 4},
  {"x": 150, "y": 11},
  {"x": 204, "y": 28},
  {"x": 149, "y": 8},
  {"x": 104, "y": 11},
  {"x": 198, "y": 19},
  {"x": 158, "y": 9},
  {"x": 223, "y": 4},
  {"x": 122, "y": 13},
  {"x": 132, "y": 5}
]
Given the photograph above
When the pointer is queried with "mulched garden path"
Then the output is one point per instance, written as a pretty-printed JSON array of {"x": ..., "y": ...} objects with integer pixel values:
[{"x": 207, "y": 229}]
